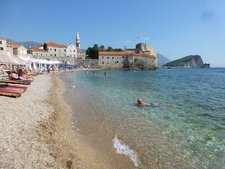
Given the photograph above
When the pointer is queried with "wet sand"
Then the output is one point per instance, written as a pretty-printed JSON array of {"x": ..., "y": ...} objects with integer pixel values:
[
  {"x": 95, "y": 147},
  {"x": 39, "y": 130}
]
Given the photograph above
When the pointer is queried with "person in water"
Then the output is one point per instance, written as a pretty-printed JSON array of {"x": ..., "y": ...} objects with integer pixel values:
[{"x": 142, "y": 103}]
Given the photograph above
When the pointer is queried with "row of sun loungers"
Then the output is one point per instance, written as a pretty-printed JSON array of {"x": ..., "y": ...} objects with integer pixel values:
[{"x": 13, "y": 88}]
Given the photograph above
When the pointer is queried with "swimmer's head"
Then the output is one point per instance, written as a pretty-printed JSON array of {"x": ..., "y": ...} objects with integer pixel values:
[{"x": 139, "y": 100}]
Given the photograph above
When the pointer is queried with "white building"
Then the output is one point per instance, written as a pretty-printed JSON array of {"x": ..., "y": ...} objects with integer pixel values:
[
  {"x": 21, "y": 50},
  {"x": 16, "y": 49},
  {"x": 3, "y": 45},
  {"x": 55, "y": 49},
  {"x": 39, "y": 52},
  {"x": 71, "y": 51}
]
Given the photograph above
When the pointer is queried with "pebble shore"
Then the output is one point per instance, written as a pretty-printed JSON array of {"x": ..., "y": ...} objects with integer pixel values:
[{"x": 34, "y": 132}]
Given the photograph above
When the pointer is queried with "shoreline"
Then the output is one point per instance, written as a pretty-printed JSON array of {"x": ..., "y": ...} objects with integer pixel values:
[
  {"x": 96, "y": 144},
  {"x": 60, "y": 130},
  {"x": 38, "y": 131}
]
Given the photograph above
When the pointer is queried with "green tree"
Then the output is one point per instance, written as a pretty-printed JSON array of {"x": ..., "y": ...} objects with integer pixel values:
[
  {"x": 92, "y": 53},
  {"x": 109, "y": 48},
  {"x": 102, "y": 47}
]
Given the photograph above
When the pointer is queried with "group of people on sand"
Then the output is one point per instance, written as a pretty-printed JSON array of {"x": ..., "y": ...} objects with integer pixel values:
[{"x": 21, "y": 74}]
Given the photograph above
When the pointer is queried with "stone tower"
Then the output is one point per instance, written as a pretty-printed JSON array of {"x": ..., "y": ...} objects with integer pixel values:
[{"x": 77, "y": 41}]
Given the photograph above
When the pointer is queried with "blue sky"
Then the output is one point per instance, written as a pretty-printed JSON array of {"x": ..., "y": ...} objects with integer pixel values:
[{"x": 176, "y": 28}]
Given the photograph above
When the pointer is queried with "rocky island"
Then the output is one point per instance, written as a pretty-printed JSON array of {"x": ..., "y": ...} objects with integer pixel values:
[{"x": 191, "y": 61}]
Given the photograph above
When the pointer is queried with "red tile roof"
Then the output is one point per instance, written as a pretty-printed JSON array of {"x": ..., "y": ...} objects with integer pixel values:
[
  {"x": 55, "y": 44},
  {"x": 38, "y": 49},
  {"x": 13, "y": 45}
]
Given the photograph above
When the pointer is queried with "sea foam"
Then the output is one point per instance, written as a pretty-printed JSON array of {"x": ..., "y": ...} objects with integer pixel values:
[{"x": 125, "y": 149}]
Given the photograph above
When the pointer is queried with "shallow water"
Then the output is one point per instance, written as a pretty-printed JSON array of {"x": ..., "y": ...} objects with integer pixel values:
[{"x": 186, "y": 131}]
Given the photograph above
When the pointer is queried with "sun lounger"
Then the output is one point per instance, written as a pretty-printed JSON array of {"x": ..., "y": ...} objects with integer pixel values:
[
  {"x": 10, "y": 94},
  {"x": 13, "y": 85},
  {"x": 13, "y": 88},
  {"x": 25, "y": 82},
  {"x": 8, "y": 90}
]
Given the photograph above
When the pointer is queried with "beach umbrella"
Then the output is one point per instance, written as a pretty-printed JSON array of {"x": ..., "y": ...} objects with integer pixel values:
[
  {"x": 5, "y": 59},
  {"x": 19, "y": 61}
]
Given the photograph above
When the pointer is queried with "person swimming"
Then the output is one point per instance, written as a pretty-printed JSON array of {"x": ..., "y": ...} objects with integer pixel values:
[{"x": 142, "y": 103}]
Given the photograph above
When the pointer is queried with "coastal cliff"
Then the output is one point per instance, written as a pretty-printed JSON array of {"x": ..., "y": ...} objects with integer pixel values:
[{"x": 191, "y": 61}]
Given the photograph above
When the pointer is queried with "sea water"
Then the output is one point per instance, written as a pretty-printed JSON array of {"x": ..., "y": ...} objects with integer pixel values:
[{"x": 187, "y": 130}]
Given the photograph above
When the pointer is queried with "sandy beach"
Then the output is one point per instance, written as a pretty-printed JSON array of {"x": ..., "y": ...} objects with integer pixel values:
[{"x": 37, "y": 132}]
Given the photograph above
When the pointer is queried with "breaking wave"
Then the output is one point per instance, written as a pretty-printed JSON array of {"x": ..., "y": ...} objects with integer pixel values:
[{"x": 125, "y": 149}]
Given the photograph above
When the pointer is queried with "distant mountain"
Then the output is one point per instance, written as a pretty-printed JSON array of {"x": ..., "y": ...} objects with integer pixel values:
[
  {"x": 162, "y": 60},
  {"x": 26, "y": 44},
  {"x": 191, "y": 61}
]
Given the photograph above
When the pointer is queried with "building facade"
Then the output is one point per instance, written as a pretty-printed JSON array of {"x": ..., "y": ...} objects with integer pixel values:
[
  {"x": 71, "y": 51},
  {"x": 145, "y": 58},
  {"x": 3, "y": 45},
  {"x": 16, "y": 49},
  {"x": 39, "y": 52},
  {"x": 56, "y": 51},
  {"x": 21, "y": 50}
]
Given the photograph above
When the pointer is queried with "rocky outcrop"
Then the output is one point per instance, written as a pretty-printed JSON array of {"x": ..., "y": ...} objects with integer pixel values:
[
  {"x": 205, "y": 65},
  {"x": 191, "y": 61}
]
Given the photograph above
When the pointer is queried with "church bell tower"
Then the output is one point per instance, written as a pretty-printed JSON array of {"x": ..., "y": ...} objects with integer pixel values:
[{"x": 77, "y": 41}]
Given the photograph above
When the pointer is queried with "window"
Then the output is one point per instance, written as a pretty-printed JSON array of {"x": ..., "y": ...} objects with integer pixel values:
[
  {"x": 117, "y": 62},
  {"x": 0, "y": 42},
  {"x": 107, "y": 57},
  {"x": 64, "y": 50},
  {"x": 102, "y": 62},
  {"x": 74, "y": 51},
  {"x": 112, "y": 57},
  {"x": 55, "y": 50},
  {"x": 1, "y": 48},
  {"x": 55, "y": 54}
]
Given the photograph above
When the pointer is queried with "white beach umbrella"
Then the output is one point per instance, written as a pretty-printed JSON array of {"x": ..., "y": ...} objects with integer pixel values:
[
  {"x": 19, "y": 61},
  {"x": 5, "y": 59}
]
